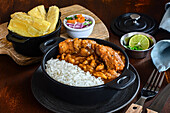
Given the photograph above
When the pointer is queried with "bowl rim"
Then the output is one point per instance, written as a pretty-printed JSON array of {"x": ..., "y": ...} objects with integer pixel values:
[
  {"x": 135, "y": 33},
  {"x": 83, "y": 29}
]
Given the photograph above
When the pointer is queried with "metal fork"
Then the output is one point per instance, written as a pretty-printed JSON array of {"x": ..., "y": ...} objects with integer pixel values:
[{"x": 149, "y": 90}]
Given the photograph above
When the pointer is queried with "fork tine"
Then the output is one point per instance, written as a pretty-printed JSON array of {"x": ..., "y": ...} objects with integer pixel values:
[
  {"x": 160, "y": 83},
  {"x": 149, "y": 80},
  {"x": 152, "y": 84},
  {"x": 156, "y": 83}
]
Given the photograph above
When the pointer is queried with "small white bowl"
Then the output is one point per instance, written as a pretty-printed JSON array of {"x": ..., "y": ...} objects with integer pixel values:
[{"x": 80, "y": 33}]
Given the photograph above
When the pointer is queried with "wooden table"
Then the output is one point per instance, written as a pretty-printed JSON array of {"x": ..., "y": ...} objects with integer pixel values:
[{"x": 15, "y": 80}]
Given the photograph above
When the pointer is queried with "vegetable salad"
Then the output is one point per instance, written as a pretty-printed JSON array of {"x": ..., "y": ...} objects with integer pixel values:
[{"x": 78, "y": 21}]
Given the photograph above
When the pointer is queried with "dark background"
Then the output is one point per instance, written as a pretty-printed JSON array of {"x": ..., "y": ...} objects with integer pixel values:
[{"x": 15, "y": 90}]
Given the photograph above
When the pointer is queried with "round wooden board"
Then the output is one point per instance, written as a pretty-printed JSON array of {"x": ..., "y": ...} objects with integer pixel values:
[{"x": 100, "y": 31}]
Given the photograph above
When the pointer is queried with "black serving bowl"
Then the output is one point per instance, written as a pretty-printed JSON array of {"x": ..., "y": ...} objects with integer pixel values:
[
  {"x": 29, "y": 46},
  {"x": 84, "y": 95}
]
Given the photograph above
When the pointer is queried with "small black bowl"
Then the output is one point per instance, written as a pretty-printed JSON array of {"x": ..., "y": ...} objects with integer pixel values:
[
  {"x": 29, "y": 46},
  {"x": 84, "y": 95}
]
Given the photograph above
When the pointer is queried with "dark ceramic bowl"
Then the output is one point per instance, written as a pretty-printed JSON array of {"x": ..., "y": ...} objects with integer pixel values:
[
  {"x": 29, "y": 46},
  {"x": 84, "y": 95}
]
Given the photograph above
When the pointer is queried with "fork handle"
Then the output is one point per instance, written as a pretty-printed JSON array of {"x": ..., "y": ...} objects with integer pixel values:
[
  {"x": 150, "y": 111},
  {"x": 134, "y": 108}
]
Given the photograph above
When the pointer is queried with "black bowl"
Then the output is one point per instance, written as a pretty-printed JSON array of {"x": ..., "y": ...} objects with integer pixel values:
[
  {"x": 84, "y": 95},
  {"x": 29, "y": 46}
]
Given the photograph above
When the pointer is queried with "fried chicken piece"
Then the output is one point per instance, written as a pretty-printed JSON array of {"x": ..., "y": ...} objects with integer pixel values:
[
  {"x": 84, "y": 47},
  {"x": 84, "y": 52},
  {"x": 110, "y": 57},
  {"x": 113, "y": 73},
  {"x": 87, "y": 47},
  {"x": 77, "y": 45},
  {"x": 88, "y": 44},
  {"x": 66, "y": 46}
]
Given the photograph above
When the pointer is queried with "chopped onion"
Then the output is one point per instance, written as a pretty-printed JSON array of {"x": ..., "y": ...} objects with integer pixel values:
[{"x": 79, "y": 25}]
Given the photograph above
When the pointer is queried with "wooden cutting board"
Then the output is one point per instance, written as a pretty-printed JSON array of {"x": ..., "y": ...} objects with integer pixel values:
[{"x": 100, "y": 31}]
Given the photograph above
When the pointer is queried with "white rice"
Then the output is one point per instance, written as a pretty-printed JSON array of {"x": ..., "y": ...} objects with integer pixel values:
[{"x": 70, "y": 74}]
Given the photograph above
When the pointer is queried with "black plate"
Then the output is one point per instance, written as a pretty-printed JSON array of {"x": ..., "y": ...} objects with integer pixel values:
[{"x": 51, "y": 102}]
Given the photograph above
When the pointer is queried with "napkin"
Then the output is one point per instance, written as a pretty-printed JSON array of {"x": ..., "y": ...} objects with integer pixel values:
[
  {"x": 165, "y": 23},
  {"x": 160, "y": 55}
]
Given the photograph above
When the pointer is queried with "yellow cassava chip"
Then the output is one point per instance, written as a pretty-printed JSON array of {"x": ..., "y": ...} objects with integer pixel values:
[
  {"x": 38, "y": 12},
  {"x": 32, "y": 26},
  {"x": 36, "y": 22},
  {"x": 52, "y": 17}
]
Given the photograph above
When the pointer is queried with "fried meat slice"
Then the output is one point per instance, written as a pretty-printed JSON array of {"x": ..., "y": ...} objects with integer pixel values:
[
  {"x": 66, "y": 47},
  {"x": 87, "y": 47},
  {"x": 110, "y": 57},
  {"x": 77, "y": 45}
]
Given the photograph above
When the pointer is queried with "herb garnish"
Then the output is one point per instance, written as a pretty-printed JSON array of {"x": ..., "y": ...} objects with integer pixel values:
[
  {"x": 134, "y": 48},
  {"x": 75, "y": 16},
  {"x": 85, "y": 24},
  {"x": 69, "y": 18}
]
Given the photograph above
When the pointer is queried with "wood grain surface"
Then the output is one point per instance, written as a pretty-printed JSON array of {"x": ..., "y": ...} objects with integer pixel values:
[
  {"x": 99, "y": 31},
  {"x": 15, "y": 80},
  {"x": 151, "y": 111},
  {"x": 134, "y": 108}
]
